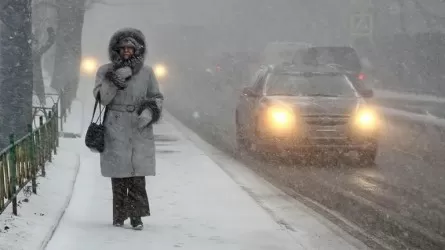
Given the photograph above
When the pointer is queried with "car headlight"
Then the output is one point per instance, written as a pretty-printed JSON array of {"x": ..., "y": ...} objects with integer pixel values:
[
  {"x": 366, "y": 119},
  {"x": 160, "y": 71},
  {"x": 280, "y": 118},
  {"x": 89, "y": 66}
]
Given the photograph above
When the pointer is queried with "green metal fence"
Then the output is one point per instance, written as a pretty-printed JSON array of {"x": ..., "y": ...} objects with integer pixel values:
[{"x": 24, "y": 159}]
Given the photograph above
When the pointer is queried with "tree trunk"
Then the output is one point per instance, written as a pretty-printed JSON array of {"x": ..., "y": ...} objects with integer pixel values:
[
  {"x": 67, "y": 54},
  {"x": 77, "y": 45},
  {"x": 402, "y": 19},
  {"x": 39, "y": 85},
  {"x": 16, "y": 70},
  {"x": 45, "y": 14}
]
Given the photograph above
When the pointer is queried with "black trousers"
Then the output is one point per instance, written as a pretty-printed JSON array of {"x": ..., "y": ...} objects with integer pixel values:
[{"x": 129, "y": 198}]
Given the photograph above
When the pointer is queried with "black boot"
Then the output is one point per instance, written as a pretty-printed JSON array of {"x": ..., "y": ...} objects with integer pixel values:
[
  {"x": 136, "y": 223},
  {"x": 118, "y": 222},
  {"x": 119, "y": 201}
]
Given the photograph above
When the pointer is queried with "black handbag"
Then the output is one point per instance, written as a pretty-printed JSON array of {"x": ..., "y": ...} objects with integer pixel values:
[{"x": 95, "y": 136}]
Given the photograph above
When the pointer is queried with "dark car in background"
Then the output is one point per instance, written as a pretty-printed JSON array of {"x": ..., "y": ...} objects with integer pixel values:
[
  {"x": 342, "y": 58},
  {"x": 291, "y": 108}
]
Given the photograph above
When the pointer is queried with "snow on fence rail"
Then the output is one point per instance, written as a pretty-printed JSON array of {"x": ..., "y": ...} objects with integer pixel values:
[
  {"x": 24, "y": 159},
  {"x": 41, "y": 111}
]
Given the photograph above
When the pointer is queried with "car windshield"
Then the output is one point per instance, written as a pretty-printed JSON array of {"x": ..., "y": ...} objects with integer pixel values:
[
  {"x": 309, "y": 85},
  {"x": 345, "y": 58}
]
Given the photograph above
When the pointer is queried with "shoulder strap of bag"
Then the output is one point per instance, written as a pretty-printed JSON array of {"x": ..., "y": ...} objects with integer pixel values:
[
  {"x": 95, "y": 106},
  {"x": 105, "y": 115}
]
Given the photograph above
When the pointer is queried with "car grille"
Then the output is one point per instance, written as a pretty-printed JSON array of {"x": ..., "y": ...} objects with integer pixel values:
[
  {"x": 323, "y": 129},
  {"x": 326, "y": 120}
]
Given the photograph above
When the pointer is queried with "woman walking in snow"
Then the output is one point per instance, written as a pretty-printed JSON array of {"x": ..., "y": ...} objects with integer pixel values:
[{"x": 131, "y": 93}]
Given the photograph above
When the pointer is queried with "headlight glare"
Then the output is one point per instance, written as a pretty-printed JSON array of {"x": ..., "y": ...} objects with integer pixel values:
[
  {"x": 280, "y": 118},
  {"x": 366, "y": 119},
  {"x": 89, "y": 65},
  {"x": 160, "y": 70}
]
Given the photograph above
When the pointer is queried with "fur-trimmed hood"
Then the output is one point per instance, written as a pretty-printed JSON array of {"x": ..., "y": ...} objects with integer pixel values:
[{"x": 137, "y": 38}]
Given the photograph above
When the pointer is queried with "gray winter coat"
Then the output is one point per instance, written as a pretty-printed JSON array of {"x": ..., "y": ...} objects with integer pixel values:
[{"x": 129, "y": 140}]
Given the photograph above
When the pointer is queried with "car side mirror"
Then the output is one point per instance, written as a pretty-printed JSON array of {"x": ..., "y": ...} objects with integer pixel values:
[
  {"x": 249, "y": 92},
  {"x": 368, "y": 93}
]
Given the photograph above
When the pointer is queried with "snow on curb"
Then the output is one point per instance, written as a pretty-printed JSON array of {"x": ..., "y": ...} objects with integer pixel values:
[
  {"x": 413, "y": 117},
  {"x": 387, "y": 94},
  {"x": 39, "y": 216},
  {"x": 64, "y": 207}
]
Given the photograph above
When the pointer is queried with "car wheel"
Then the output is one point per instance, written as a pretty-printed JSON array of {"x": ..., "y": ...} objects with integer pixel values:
[
  {"x": 241, "y": 140},
  {"x": 368, "y": 156}
]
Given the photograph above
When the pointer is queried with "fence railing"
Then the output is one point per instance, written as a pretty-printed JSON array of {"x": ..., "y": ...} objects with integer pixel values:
[
  {"x": 24, "y": 159},
  {"x": 64, "y": 110}
]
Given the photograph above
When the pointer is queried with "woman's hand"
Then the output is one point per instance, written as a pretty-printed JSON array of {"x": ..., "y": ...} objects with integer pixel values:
[
  {"x": 119, "y": 76},
  {"x": 124, "y": 72},
  {"x": 145, "y": 118}
]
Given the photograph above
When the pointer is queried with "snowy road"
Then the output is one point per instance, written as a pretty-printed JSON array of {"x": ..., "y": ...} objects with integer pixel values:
[
  {"x": 400, "y": 200},
  {"x": 195, "y": 205}
]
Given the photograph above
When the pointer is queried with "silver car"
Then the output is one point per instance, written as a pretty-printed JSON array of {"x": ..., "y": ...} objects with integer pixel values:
[{"x": 288, "y": 107}]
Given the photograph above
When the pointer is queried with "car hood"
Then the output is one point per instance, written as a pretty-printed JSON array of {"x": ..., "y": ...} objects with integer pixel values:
[{"x": 319, "y": 105}]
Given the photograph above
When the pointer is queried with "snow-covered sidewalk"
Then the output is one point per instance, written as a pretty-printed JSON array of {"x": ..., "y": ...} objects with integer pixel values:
[
  {"x": 195, "y": 205},
  {"x": 39, "y": 214}
]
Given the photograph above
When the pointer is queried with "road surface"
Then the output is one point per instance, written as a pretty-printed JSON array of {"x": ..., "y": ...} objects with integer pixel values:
[{"x": 400, "y": 201}]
